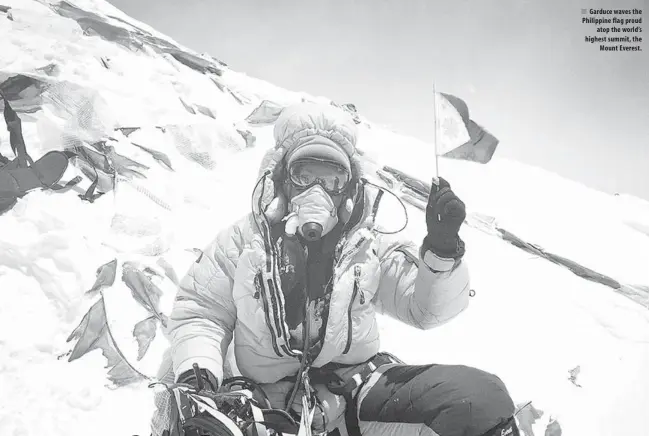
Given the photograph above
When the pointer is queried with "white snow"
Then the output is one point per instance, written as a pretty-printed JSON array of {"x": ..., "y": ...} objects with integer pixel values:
[{"x": 530, "y": 322}]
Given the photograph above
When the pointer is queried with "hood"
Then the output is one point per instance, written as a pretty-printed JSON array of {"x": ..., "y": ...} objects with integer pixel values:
[{"x": 297, "y": 125}]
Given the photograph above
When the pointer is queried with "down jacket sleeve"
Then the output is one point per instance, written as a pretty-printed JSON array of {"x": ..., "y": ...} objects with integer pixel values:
[
  {"x": 412, "y": 292},
  {"x": 202, "y": 320}
]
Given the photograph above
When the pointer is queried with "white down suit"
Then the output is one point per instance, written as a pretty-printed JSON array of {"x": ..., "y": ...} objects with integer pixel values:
[{"x": 233, "y": 289}]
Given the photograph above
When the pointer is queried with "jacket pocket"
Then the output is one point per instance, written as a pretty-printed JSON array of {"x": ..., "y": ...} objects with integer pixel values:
[{"x": 357, "y": 279}]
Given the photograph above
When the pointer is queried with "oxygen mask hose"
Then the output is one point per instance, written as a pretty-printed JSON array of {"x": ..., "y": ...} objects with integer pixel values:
[{"x": 312, "y": 231}]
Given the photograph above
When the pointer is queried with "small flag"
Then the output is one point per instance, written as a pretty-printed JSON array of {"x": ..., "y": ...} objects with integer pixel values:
[
  {"x": 481, "y": 145},
  {"x": 451, "y": 131}
]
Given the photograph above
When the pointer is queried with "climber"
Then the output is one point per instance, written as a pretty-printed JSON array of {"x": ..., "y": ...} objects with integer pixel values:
[{"x": 298, "y": 281}]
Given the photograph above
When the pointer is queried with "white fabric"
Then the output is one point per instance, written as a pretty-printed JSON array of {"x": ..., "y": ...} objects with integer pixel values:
[{"x": 437, "y": 263}]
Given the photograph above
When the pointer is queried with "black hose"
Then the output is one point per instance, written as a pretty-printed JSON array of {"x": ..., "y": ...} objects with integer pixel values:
[{"x": 405, "y": 210}]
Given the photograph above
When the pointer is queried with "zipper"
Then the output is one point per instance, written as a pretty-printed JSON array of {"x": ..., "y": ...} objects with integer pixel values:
[
  {"x": 267, "y": 316},
  {"x": 343, "y": 258},
  {"x": 357, "y": 275},
  {"x": 350, "y": 251},
  {"x": 272, "y": 251},
  {"x": 306, "y": 335},
  {"x": 306, "y": 327},
  {"x": 276, "y": 299},
  {"x": 271, "y": 288},
  {"x": 257, "y": 293},
  {"x": 280, "y": 306}
]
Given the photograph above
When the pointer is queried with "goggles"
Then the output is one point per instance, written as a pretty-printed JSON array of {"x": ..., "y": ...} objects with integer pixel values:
[{"x": 306, "y": 173}]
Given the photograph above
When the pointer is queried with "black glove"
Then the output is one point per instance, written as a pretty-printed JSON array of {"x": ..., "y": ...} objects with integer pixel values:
[
  {"x": 445, "y": 214},
  {"x": 209, "y": 381}
]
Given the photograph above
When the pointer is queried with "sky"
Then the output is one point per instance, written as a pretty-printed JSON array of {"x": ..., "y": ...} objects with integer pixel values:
[{"x": 522, "y": 66}]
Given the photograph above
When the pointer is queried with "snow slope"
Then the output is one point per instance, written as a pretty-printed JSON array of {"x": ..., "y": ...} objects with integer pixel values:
[{"x": 531, "y": 321}]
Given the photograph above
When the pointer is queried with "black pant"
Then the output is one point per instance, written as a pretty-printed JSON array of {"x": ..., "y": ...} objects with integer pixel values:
[{"x": 446, "y": 400}]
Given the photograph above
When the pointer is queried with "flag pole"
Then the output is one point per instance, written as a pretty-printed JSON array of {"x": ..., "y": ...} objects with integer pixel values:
[{"x": 435, "y": 132}]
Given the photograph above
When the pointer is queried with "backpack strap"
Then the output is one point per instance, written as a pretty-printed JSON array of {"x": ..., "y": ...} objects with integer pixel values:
[
  {"x": 14, "y": 126},
  {"x": 349, "y": 390}
]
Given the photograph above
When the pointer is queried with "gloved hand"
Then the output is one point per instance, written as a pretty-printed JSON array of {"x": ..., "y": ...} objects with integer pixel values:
[
  {"x": 210, "y": 382},
  {"x": 445, "y": 214}
]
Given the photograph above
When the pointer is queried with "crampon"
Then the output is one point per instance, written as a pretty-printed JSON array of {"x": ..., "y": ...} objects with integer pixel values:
[{"x": 232, "y": 411}]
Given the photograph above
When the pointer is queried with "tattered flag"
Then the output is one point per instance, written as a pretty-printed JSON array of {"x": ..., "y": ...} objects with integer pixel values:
[
  {"x": 168, "y": 270},
  {"x": 157, "y": 155},
  {"x": 144, "y": 332},
  {"x": 266, "y": 113},
  {"x": 93, "y": 332},
  {"x": 105, "y": 276},
  {"x": 143, "y": 290}
]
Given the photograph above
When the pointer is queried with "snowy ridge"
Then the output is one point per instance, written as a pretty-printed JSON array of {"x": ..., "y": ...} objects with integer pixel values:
[{"x": 531, "y": 321}]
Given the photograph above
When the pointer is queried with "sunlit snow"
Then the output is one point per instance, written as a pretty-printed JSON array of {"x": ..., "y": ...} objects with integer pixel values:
[{"x": 531, "y": 321}]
